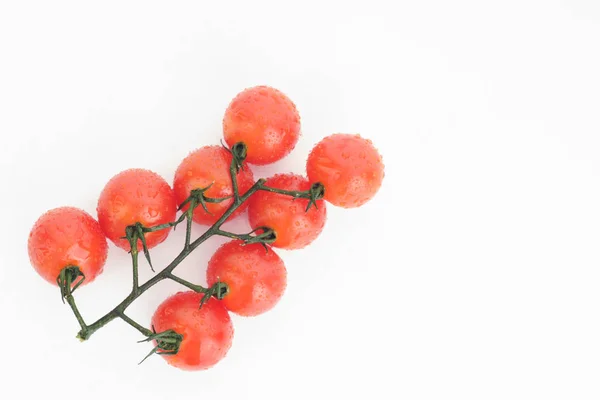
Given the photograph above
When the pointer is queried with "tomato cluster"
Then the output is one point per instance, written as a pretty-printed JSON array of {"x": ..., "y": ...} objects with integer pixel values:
[{"x": 137, "y": 208}]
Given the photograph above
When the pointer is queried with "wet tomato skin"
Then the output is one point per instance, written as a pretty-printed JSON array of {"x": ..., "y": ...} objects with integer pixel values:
[
  {"x": 136, "y": 195},
  {"x": 266, "y": 120},
  {"x": 207, "y": 331},
  {"x": 206, "y": 166},
  {"x": 350, "y": 168},
  {"x": 257, "y": 278},
  {"x": 67, "y": 236},
  {"x": 294, "y": 226}
]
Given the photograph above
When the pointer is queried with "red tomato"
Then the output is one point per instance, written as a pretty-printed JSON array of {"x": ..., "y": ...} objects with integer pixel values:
[
  {"x": 256, "y": 278},
  {"x": 205, "y": 166},
  {"x": 295, "y": 228},
  {"x": 64, "y": 237},
  {"x": 136, "y": 195},
  {"x": 207, "y": 331},
  {"x": 264, "y": 119},
  {"x": 350, "y": 168}
]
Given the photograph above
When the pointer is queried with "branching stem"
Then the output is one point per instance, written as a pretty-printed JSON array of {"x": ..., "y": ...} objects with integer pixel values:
[{"x": 134, "y": 233}]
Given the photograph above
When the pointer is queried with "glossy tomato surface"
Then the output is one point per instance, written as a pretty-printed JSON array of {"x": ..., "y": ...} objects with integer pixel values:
[
  {"x": 350, "y": 168},
  {"x": 256, "y": 278},
  {"x": 207, "y": 331},
  {"x": 136, "y": 195},
  {"x": 67, "y": 236},
  {"x": 266, "y": 120},
  {"x": 206, "y": 166},
  {"x": 295, "y": 228}
]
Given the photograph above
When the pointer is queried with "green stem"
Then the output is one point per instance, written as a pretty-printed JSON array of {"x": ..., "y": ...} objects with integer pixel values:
[
  {"x": 168, "y": 225},
  {"x": 195, "y": 288},
  {"x": 267, "y": 236},
  {"x": 230, "y": 235},
  {"x": 144, "y": 331},
  {"x": 71, "y": 301},
  {"x": 188, "y": 233},
  {"x": 234, "y": 184},
  {"x": 84, "y": 334},
  {"x": 316, "y": 192},
  {"x": 293, "y": 193},
  {"x": 196, "y": 198},
  {"x": 134, "y": 260}
]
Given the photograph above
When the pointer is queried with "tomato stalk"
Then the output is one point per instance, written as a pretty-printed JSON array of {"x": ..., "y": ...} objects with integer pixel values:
[
  {"x": 316, "y": 192},
  {"x": 132, "y": 237},
  {"x": 168, "y": 342},
  {"x": 68, "y": 281},
  {"x": 143, "y": 330},
  {"x": 238, "y": 151},
  {"x": 87, "y": 331},
  {"x": 266, "y": 236}
]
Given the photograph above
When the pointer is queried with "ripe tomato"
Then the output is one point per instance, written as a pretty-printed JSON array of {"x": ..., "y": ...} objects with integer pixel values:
[
  {"x": 67, "y": 236},
  {"x": 256, "y": 278},
  {"x": 350, "y": 168},
  {"x": 205, "y": 166},
  {"x": 136, "y": 195},
  {"x": 264, "y": 119},
  {"x": 295, "y": 228},
  {"x": 207, "y": 331}
]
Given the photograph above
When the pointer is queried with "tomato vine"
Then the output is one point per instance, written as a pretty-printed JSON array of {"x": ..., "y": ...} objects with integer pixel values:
[{"x": 168, "y": 342}]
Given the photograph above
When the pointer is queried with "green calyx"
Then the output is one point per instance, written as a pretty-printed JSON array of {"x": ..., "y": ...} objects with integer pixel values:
[
  {"x": 68, "y": 280},
  {"x": 219, "y": 290},
  {"x": 316, "y": 192},
  {"x": 239, "y": 152},
  {"x": 167, "y": 343},
  {"x": 136, "y": 232}
]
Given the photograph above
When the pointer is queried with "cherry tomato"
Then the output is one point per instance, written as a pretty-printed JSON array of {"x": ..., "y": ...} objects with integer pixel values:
[
  {"x": 65, "y": 237},
  {"x": 203, "y": 167},
  {"x": 256, "y": 278},
  {"x": 207, "y": 331},
  {"x": 295, "y": 228},
  {"x": 136, "y": 195},
  {"x": 350, "y": 168},
  {"x": 264, "y": 119}
]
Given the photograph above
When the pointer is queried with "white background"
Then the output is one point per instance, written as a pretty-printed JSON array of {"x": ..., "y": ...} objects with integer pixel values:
[{"x": 474, "y": 274}]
